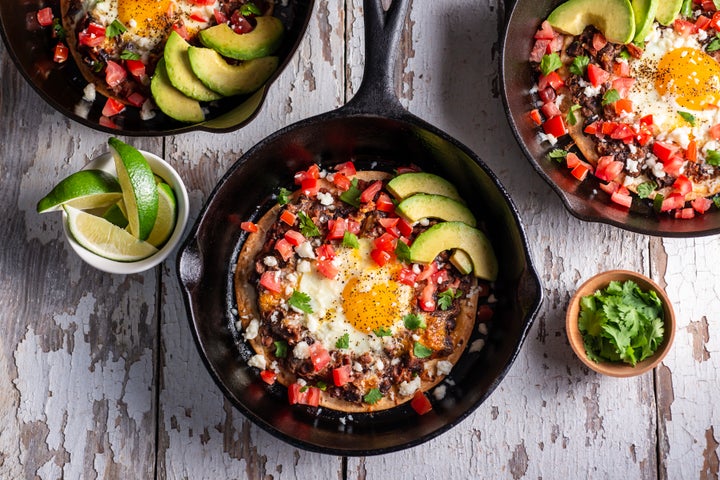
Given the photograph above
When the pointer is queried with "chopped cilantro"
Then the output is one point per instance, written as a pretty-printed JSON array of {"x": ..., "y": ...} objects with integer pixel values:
[
  {"x": 351, "y": 196},
  {"x": 714, "y": 45},
  {"x": 688, "y": 117},
  {"x": 658, "y": 201},
  {"x": 129, "y": 55},
  {"x": 350, "y": 240},
  {"x": 621, "y": 323},
  {"x": 373, "y": 396},
  {"x": 58, "y": 29},
  {"x": 283, "y": 196},
  {"x": 301, "y": 301},
  {"x": 716, "y": 200},
  {"x": 625, "y": 55},
  {"x": 646, "y": 188},
  {"x": 446, "y": 297},
  {"x": 579, "y": 65},
  {"x": 382, "y": 332},
  {"x": 557, "y": 154},
  {"x": 712, "y": 157},
  {"x": 343, "y": 342},
  {"x": 611, "y": 96},
  {"x": 250, "y": 9},
  {"x": 281, "y": 348},
  {"x": 307, "y": 226},
  {"x": 321, "y": 385},
  {"x": 304, "y": 388},
  {"x": 402, "y": 251},
  {"x": 97, "y": 66},
  {"x": 421, "y": 351},
  {"x": 571, "y": 118},
  {"x": 550, "y": 63},
  {"x": 414, "y": 321},
  {"x": 115, "y": 29}
]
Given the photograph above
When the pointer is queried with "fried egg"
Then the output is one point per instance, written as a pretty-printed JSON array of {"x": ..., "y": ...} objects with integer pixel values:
[
  {"x": 362, "y": 298},
  {"x": 678, "y": 84},
  {"x": 149, "y": 22}
]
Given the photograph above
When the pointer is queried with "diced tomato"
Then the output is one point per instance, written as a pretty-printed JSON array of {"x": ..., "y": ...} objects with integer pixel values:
[
  {"x": 381, "y": 257},
  {"x": 708, "y": 6},
  {"x": 353, "y": 226},
  {"x": 327, "y": 269},
  {"x": 555, "y": 126},
  {"x": 691, "y": 152},
  {"x": 597, "y": 75},
  {"x": 545, "y": 32},
  {"x": 439, "y": 277},
  {"x": 547, "y": 95},
  {"x": 550, "y": 109},
  {"x": 240, "y": 24},
  {"x": 303, "y": 395},
  {"x": 268, "y": 376},
  {"x": 319, "y": 356},
  {"x": 623, "y": 85},
  {"x": 408, "y": 169},
  {"x": 715, "y": 21},
  {"x": 406, "y": 276},
  {"x": 610, "y": 187},
  {"x": 553, "y": 79},
  {"x": 136, "y": 68},
  {"x": 384, "y": 203},
  {"x": 90, "y": 40},
  {"x": 535, "y": 117},
  {"x": 115, "y": 74},
  {"x": 608, "y": 127},
  {"x": 621, "y": 68},
  {"x": 428, "y": 271},
  {"x": 427, "y": 302},
  {"x": 420, "y": 403},
  {"x": 220, "y": 16},
  {"x": 288, "y": 217},
  {"x": 556, "y": 44},
  {"x": 701, "y": 204},
  {"x": 621, "y": 199},
  {"x": 484, "y": 313},
  {"x": 404, "y": 227},
  {"x": 634, "y": 50},
  {"x": 580, "y": 171},
  {"x": 673, "y": 202},
  {"x": 106, "y": 122},
  {"x": 390, "y": 226},
  {"x": 45, "y": 16},
  {"x": 702, "y": 22},
  {"x": 270, "y": 280},
  {"x": 181, "y": 30},
  {"x": 285, "y": 248},
  {"x": 336, "y": 229},
  {"x": 325, "y": 252},
  {"x": 346, "y": 168},
  {"x": 385, "y": 242},
  {"x": 369, "y": 193},
  {"x": 60, "y": 53},
  {"x": 310, "y": 186},
  {"x": 198, "y": 16},
  {"x": 539, "y": 49},
  {"x": 249, "y": 227},
  {"x": 599, "y": 41},
  {"x": 593, "y": 128},
  {"x": 673, "y": 165},
  {"x": 685, "y": 213},
  {"x": 715, "y": 131},
  {"x": 682, "y": 185},
  {"x": 572, "y": 160},
  {"x": 341, "y": 181},
  {"x": 608, "y": 168},
  {"x": 664, "y": 150},
  {"x": 622, "y": 131},
  {"x": 136, "y": 99},
  {"x": 623, "y": 105},
  {"x": 647, "y": 120},
  {"x": 202, "y": 2},
  {"x": 294, "y": 237},
  {"x": 112, "y": 107},
  {"x": 341, "y": 375},
  {"x": 684, "y": 27}
]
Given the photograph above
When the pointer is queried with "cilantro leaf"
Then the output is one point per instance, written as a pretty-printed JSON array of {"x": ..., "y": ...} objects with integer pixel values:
[
  {"x": 350, "y": 240},
  {"x": 446, "y": 297},
  {"x": 658, "y": 201},
  {"x": 250, "y": 9},
  {"x": 129, "y": 55},
  {"x": 716, "y": 200},
  {"x": 421, "y": 351},
  {"x": 373, "y": 396},
  {"x": 382, "y": 332},
  {"x": 115, "y": 29},
  {"x": 557, "y": 154},
  {"x": 550, "y": 63},
  {"x": 402, "y": 251},
  {"x": 625, "y": 54},
  {"x": 344, "y": 341},
  {"x": 281, "y": 347},
  {"x": 413, "y": 321},
  {"x": 58, "y": 29},
  {"x": 611, "y": 96},
  {"x": 307, "y": 226},
  {"x": 283, "y": 196},
  {"x": 571, "y": 118},
  {"x": 646, "y": 188},
  {"x": 321, "y": 385},
  {"x": 301, "y": 301},
  {"x": 712, "y": 157},
  {"x": 579, "y": 65},
  {"x": 714, "y": 45},
  {"x": 351, "y": 196},
  {"x": 688, "y": 117}
]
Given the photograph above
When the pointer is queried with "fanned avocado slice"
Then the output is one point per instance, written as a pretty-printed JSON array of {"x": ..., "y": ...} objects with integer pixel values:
[
  {"x": 262, "y": 41},
  {"x": 614, "y": 18}
]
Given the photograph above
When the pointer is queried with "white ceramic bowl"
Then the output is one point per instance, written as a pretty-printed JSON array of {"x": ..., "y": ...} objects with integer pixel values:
[{"x": 161, "y": 168}]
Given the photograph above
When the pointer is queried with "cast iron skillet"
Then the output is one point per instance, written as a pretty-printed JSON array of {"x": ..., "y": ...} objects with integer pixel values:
[
  {"x": 584, "y": 199},
  {"x": 61, "y": 85},
  {"x": 372, "y": 127}
]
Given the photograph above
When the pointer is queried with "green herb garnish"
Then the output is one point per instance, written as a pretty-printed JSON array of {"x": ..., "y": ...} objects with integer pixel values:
[
  {"x": 321, "y": 385},
  {"x": 249, "y": 9},
  {"x": 343, "y": 342},
  {"x": 658, "y": 201},
  {"x": 646, "y": 188},
  {"x": 402, "y": 251},
  {"x": 712, "y": 157},
  {"x": 579, "y": 65},
  {"x": 550, "y": 63},
  {"x": 625, "y": 55},
  {"x": 714, "y": 45},
  {"x": 571, "y": 118},
  {"x": 413, "y": 321},
  {"x": 281, "y": 347},
  {"x": 557, "y": 154},
  {"x": 115, "y": 29},
  {"x": 446, "y": 297},
  {"x": 58, "y": 29},
  {"x": 350, "y": 240},
  {"x": 611, "y": 96},
  {"x": 373, "y": 396},
  {"x": 382, "y": 332},
  {"x": 307, "y": 226},
  {"x": 351, "y": 196},
  {"x": 304, "y": 388},
  {"x": 688, "y": 117},
  {"x": 621, "y": 323},
  {"x": 421, "y": 351},
  {"x": 129, "y": 55},
  {"x": 301, "y": 301},
  {"x": 283, "y": 196},
  {"x": 716, "y": 200}
]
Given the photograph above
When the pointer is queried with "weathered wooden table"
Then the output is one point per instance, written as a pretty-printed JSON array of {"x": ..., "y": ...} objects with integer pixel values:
[{"x": 100, "y": 378}]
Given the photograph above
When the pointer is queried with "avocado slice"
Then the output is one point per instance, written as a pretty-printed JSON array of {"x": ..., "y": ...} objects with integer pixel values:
[
  {"x": 262, "y": 41},
  {"x": 426, "y": 205},
  {"x": 461, "y": 261},
  {"x": 614, "y": 18},
  {"x": 180, "y": 73},
  {"x": 407, "y": 184},
  {"x": 171, "y": 101},
  {"x": 667, "y": 11},
  {"x": 645, "y": 11},
  {"x": 449, "y": 235},
  {"x": 218, "y": 75}
]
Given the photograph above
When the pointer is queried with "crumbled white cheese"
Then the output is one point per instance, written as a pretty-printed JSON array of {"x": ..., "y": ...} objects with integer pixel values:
[
  {"x": 477, "y": 345},
  {"x": 444, "y": 367},
  {"x": 305, "y": 250},
  {"x": 303, "y": 266},
  {"x": 147, "y": 111},
  {"x": 408, "y": 388},
  {"x": 482, "y": 329},
  {"x": 89, "y": 92},
  {"x": 424, "y": 222},
  {"x": 357, "y": 367},
  {"x": 301, "y": 350},
  {"x": 380, "y": 365},
  {"x": 325, "y": 198},
  {"x": 270, "y": 261},
  {"x": 543, "y": 137},
  {"x": 591, "y": 91},
  {"x": 439, "y": 392},
  {"x": 258, "y": 361},
  {"x": 252, "y": 329}
]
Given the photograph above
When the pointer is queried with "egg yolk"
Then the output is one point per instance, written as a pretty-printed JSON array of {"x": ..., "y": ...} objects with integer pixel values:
[
  {"x": 147, "y": 18},
  {"x": 691, "y": 76},
  {"x": 372, "y": 309}
]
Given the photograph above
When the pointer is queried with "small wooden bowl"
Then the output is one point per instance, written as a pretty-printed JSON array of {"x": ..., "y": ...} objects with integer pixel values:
[{"x": 617, "y": 369}]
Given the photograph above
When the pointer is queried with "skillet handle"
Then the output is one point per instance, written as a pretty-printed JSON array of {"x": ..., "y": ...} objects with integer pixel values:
[{"x": 383, "y": 31}]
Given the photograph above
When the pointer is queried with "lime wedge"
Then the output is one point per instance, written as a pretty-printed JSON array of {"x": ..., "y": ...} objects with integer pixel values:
[
  {"x": 137, "y": 180},
  {"x": 115, "y": 214},
  {"x": 105, "y": 239},
  {"x": 166, "y": 217},
  {"x": 86, "y": 189}
]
